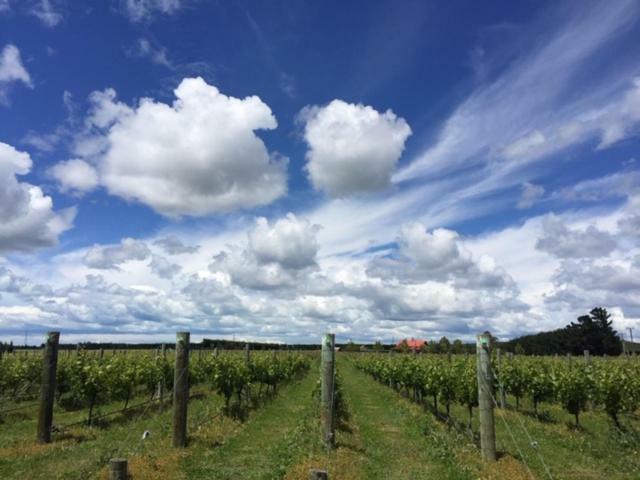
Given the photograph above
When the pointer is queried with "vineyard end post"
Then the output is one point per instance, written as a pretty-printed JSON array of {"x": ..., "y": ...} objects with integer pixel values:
[
  {"x": 118, "y": 469},
  {"x": 327, "y": 394},
  {"x": 587, "y": 357},
  {"x": 485, "y": 397},
  {"x": 181, "y": 390},
  {"x": 48, "y": 387}
]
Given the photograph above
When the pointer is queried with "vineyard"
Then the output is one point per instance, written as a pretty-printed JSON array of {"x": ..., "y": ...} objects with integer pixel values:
[
  {"x": 610, "y": 385},
  {"x": 260, "y": 414}
]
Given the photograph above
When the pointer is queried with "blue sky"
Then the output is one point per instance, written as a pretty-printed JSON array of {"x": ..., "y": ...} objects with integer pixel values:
[{"x": 272, "y": 170}]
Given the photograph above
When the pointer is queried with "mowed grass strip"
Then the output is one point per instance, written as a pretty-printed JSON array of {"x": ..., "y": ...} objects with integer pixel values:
[
  {"x": 262, "y": 448},
  {"x": 398, "y": 439}
]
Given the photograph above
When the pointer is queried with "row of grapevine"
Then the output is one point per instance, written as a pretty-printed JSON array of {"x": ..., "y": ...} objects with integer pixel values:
[
  {"x": 86, "y": 380},
  {"x": 610, "y": 384},
  {"x": 443, "y": 382}
]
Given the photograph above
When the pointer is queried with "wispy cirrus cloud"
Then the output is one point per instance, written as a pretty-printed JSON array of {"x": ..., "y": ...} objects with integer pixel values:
[{"x": 526, "y": 113}]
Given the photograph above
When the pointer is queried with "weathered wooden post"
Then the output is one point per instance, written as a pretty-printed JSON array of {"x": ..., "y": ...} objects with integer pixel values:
[
  {"x": 327, "y": 380},
  {"x": 101, "y": 353},
  {"x": 318, "y": 475},
  {"x": 118, "y": 469},
  {"x": 569, "y": 359},
  {"x": 485, "y": 397},
  {"x": 181, "y": 390},
  {"x": 587, "y": 357},
  {"x": 48, "y": 386},
  {"x": 247, "y": 354},
  {"x": 502, "y": 396}
]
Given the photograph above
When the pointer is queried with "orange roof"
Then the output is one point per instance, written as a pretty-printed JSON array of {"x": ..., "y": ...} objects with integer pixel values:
[{"x": 413, "y": 343}]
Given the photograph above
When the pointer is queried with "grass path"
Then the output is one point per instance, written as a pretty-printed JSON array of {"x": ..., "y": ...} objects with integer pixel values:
[
  {"x": 264, "y": 446},
  {"x": 398, "y": 439}
]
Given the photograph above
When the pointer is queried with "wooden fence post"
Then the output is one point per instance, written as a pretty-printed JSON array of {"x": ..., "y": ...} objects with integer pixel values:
[
  {"x": 181, "y": 390},
  {"x": 118, "y": 469},
  {"x": 503, "y": 397},
  {"x": 48, "y": 387},
  {"x": 587, "y": 357},
  {"x": 318, "y": 475},
  {"x": 328, "y": 377},
  {"x": 247, "y": 354},
  {"x": 485, "y": 397}
]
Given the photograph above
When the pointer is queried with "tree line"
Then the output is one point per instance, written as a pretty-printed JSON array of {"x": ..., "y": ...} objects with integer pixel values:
[{"x": 593, "y": 332}]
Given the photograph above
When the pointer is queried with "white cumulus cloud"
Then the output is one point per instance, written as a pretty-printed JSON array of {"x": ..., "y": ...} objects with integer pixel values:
[
  {"x": 27, "y": 218},
  {"x": 352, "y": 148},
  {"x": 290, "y": 242},
  {"x": 112, "y": 257},
  {"x": 75, "y": 175},
  {"x": 198, "y": 156},
  {"x": 563, "y": 242}
]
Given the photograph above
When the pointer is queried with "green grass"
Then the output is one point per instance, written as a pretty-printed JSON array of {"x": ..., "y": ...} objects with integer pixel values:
[
  {"x": 597, "y": 450},
  {"x": 82, "y": 452},
  {"x": 262, "y": 448},
  {"x": 399, "y": 441}
]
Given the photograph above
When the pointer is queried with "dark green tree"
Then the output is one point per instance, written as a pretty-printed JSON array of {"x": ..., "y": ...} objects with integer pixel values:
[
  {"x": 433, "y": 347},
  {"x": 444, "y": 345}
]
